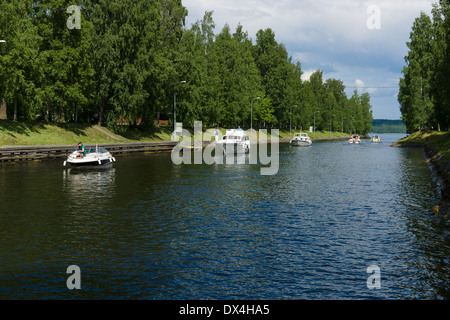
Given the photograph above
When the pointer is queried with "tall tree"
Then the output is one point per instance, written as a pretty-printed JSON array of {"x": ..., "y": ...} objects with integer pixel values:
[
  {"x": 239, "y": 77},
  {"x": 64, "y": 58},
  {"x": 441, "y": 63},
  {"x": 18, "y": 58},
  {"x": 277, "y": 73},
  {"x": 415, "y": 98}
]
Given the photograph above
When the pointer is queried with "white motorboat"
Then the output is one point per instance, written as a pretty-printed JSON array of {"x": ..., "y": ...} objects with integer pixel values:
[
  {"x": 301, "y": 140},
  {"x": 235, "y": 141},
  {"x": 355, "y": 139},
  {"x": 97, "y": 157}
]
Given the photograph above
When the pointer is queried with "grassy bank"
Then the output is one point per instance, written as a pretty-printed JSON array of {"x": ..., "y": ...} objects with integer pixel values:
[
  {"x": 44, "y": 133},
  {"x": 437, "y": 147},
  {"x": 440, "y": 141}
]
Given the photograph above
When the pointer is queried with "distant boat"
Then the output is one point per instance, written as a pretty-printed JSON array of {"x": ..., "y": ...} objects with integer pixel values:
[
  {"x": 355, "y": 139},
  {"x": 376, "y": 138},
  {"x": 94, "y": 157},
  {"x": 301, "y": 140},
  {"x": 235, "y": 141}
]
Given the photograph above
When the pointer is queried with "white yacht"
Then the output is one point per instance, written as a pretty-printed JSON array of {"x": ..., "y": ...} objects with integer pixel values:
[
  {"x": 235, "y": 141},
  {"x": 301, "y": 140},
  {"x": 93, "y": 157}
]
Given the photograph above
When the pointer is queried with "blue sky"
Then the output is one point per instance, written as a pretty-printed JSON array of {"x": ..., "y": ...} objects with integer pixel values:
[{"x": 332, "y": 36}]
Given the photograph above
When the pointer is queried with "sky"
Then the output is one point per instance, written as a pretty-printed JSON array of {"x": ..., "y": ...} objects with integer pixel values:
[{"x": 361, "y": 43}]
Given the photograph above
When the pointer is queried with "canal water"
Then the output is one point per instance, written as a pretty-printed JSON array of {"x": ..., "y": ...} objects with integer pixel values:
[{"x": 150, "y": 229}]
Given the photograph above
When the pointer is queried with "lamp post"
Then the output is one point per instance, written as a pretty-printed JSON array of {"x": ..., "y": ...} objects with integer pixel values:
[
  {"x": 2, "y": 102},
  {"x": 175, "y": 107},
  {"x": 331, "y": 118},
  {"x": 315, "y": 121},
  {"x": 251, "y": 113},
  {"x": 290, "y": 121}
]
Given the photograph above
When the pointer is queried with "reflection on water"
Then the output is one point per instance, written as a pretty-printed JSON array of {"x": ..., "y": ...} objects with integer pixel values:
[
  {"x": 149, "y": 229},
  {"x": 92, "y": 186}
]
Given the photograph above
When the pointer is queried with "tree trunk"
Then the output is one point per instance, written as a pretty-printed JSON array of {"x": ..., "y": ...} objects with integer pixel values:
[
  {"x": 61, "y": 112},
  {"x": 46, "y": 111},
  {"x": 3, "y": 114},
  {"x": 15, "y": 109},
  {"x": 100, "y": 115}
]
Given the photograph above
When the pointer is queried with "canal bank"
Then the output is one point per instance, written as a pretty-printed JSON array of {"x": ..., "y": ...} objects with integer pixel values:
[
  {"x": 45, "y": 152},
  {"x": 32, "y": 153},
  {"x": 436, "y": 146},
  {"x": 30, "y": 141}
]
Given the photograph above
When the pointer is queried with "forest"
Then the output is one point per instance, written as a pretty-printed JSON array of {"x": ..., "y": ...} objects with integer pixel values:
[
  {"x": 123, "y": 63},
  {"x": 424, "y": 94},
  {"x": 388, "y": 126}
]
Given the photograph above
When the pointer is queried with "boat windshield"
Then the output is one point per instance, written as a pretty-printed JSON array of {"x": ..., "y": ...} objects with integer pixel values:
[
  {"x": 96, "y": 150},
  {"x": 232, "y": 138}
]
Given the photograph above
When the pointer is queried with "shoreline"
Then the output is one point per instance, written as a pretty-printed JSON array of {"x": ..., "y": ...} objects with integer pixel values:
[
  {"x": 14, "y": 154},
  {"x": 18, "y": 153}
]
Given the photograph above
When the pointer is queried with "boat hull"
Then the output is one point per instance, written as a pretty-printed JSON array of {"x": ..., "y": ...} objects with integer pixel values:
[
  {"x": 235, "y": 148},
  {"x": 93, "y": 163},
  {"x": 300, "y": 143}
]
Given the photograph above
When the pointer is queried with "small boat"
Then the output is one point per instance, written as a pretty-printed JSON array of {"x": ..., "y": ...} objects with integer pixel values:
[
  {"x": 376, "y": 138},
  {"x": 355, "y": 139},
  {"x": 235, "y": 141},
  {"x": 301, "y": 140},
  {"x": 93, "y": 158}
]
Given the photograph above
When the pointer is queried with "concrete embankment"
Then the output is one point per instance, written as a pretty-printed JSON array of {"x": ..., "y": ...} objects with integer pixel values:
[{"x": 27, "y": 153}]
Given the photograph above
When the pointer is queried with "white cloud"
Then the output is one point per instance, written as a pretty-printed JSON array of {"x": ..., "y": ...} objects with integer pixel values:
[
  {"x": 330, "y": 35},
  {"x": 307, "y": 75},
  {"x": 359, "y": 84}
]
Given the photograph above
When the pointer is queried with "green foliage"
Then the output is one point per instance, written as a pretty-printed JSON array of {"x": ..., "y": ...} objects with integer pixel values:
[
  {"x": 19, "y": 65},
  {"x": 134, "y": 61},
  {"x": 424, "y": 94}
]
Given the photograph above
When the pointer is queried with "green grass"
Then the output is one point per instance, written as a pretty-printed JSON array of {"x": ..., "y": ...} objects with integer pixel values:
[
  {"x": 45, "y": 133},
  {"x": 434, "y": 139}
]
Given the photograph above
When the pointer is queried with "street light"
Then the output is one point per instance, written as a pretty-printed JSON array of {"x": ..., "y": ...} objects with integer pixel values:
[
  {"x": 315, "y": 121},
  {"x": 290, "y": 120},
  {"x": 251, "y": 113},
  {"x": 330, "y": 122},
  {"x": 175, "y": 107},
  {"x": 3, "y": 99}
]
